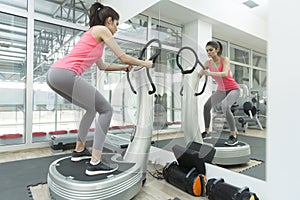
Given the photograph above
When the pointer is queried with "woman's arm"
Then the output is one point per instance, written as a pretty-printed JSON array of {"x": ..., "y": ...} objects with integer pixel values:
[
  {"x": 102, "y": 66},
  {"x": 102, "y": 34},
  {"x": 123, "y": 57},
  {"x": 224, "y": 73}
]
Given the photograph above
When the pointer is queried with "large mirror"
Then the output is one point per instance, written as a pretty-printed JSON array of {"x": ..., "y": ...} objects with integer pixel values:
[
  {"x": 57, "y": 26},
  {"x": 248, "y": 66}
]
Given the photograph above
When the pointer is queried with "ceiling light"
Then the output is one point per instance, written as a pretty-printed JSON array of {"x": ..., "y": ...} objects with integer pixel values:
[{"x": 250, "y": 4}]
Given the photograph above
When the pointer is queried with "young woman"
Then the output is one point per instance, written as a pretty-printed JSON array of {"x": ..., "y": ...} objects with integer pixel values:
[
  {"x": 64, "y": 77},
  {"x": 227, "y": 92}
]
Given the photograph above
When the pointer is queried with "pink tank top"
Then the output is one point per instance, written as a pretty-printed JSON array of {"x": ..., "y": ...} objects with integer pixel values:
[
  {"x": 84, "y": 54},
  {"x": 225, "y": 83}
]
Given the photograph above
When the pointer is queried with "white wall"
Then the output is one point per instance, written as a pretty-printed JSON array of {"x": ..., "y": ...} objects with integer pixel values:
[{"x": 283, "y": 172}]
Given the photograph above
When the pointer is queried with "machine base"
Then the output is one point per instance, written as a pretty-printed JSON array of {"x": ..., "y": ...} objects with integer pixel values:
[
  {"x": 229, "y": 155},
  {"x": 67, "y": 180}
]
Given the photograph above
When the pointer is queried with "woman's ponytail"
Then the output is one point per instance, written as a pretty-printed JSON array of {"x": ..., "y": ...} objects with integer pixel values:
[
  {"x": 99, "y": 13},
  {"x": 220, "y": 48}
]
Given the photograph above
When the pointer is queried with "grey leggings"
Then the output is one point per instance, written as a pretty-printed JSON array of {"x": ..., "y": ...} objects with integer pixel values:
[
  {"x": 227, "y": 99},
  {"x": 78, "y": 91}
]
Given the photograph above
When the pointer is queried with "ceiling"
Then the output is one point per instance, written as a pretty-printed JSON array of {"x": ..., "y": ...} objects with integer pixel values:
[
  {"x": 220, "y": 30},
  {"x": 261, "y": 10}
]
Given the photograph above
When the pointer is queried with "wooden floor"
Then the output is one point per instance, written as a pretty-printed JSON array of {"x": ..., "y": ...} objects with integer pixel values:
[
  {"x": 160, "y": 189},
  {"x": 153, "y": 189}
]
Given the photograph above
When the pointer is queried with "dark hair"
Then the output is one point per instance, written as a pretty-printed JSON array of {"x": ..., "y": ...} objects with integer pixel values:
[
  {"x": 216, "y": 45},
  {"x": 99, "y": 13}
]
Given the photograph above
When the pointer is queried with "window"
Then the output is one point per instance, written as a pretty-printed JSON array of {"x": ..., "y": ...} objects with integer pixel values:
[
  {"x": 15, "y": 3},
  {"x": 51, "y": 112},
  {"x": 13, "y": 49},
  {"x": 70, "y": 11}
]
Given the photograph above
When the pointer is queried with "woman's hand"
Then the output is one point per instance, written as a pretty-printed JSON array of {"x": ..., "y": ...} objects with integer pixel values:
[
  {"x": 204, "y": 72},
  {"x": 148, "y": 63},
  {"x": 128, "y": 68}
]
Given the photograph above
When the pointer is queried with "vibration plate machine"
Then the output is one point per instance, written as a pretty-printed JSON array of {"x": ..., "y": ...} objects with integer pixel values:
[
  {"x": 224, "y": 155},
  {"x": 67, "y": 179}
]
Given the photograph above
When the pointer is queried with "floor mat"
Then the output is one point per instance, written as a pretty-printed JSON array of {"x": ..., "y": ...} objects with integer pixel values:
[{"x": 19, "y": 175}]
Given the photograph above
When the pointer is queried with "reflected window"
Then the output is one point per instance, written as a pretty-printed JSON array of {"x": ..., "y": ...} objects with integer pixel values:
[
  {"x": 259, "y": 60},
  {"x": 131, "y": 48},
  {"x": 74, "y": 11},
  {"x": 51, "y": 112},
  {"x": 176, "y": 98},
  {"x": 135, "y": 28},
  {"x": 168, "y": 34},
  {"x": 259, "y": 75},
  {"x": 166, "y": 61},
  {"x": 259, "y": 78},
  {"x": 13, "y": 43},
  {"x": 116, "y": 88},
  {"x": 240, "y": 74},
  {"x": 167, "y": 78},
  {"x": 15, "y": 3},
  {"x": 239, "y": 54}
]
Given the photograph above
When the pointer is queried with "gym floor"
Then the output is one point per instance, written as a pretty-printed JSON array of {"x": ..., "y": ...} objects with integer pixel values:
[{"x": 153, "y": 188}]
